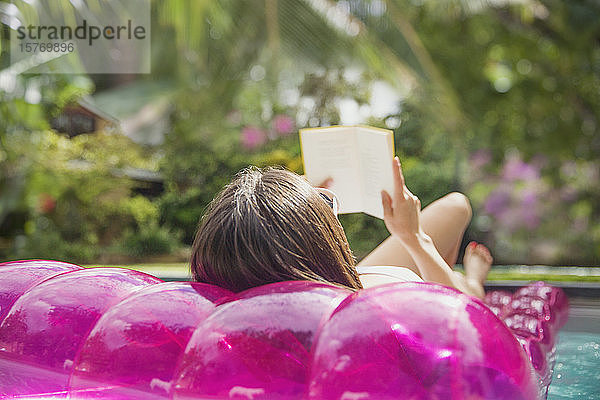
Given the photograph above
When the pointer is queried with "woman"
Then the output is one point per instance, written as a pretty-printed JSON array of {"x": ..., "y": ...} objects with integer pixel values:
[{"x": 270, "y": 225}]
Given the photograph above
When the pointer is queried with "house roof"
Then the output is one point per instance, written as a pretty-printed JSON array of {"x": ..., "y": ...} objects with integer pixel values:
[{"x": 142, "y": 108}]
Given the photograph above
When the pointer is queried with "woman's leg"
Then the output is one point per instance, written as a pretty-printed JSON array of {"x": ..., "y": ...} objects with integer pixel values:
[{"x": 445, "y": 221}]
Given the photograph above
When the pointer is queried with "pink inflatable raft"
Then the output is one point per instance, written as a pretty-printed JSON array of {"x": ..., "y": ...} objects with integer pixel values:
[{"x": 113, "y": 333}]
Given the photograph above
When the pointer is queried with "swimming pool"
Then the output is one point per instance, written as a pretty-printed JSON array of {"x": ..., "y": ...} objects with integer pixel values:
[{"x": 577, "y": 368}]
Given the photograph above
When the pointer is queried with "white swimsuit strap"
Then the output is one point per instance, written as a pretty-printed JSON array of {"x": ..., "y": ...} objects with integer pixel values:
[{"x": 401, "y": 273}]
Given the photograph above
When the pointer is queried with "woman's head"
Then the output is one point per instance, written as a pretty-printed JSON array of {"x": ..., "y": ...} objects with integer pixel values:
[{"x": 269, "y": 225}]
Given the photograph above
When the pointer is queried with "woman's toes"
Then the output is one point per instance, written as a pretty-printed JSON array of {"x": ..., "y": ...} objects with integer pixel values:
[
  {"x": 485, "y": 252},
  {"x": 471, "y": 247}
]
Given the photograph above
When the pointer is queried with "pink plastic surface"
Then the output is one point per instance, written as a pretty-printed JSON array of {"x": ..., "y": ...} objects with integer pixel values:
[
  {"x": 16, "y": 277},
  {"x": 257, "y": 346},
  {"x": 119, "y": 334},
  {"x": 43, "y": 331},
  {"x": 534, "y": 314},
  {"x": 134, "y": 348},
  {"x": 418, "y": 341}
]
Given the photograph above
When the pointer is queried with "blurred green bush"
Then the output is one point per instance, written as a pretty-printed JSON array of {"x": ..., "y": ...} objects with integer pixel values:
[
  {"x": 78, "y": 202},
  {"x": 69, "y": 199},
  {"x": 149, "y": 240}
]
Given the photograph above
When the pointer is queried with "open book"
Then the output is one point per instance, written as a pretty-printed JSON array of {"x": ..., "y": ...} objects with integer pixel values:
[{"x": 357, "y": 158}]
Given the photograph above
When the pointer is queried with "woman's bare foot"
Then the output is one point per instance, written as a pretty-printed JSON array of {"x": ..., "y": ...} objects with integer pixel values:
[{"x": 477, "y": 262}]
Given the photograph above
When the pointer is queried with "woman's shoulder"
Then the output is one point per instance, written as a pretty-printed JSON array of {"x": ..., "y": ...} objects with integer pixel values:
[{"x": 382, "y": 274}]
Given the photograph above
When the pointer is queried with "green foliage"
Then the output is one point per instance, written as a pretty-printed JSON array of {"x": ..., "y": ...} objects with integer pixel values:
[
  {"x": 44, "y": 240},
  {"x": 144, "y": 212},
  {"x": 76, "y": 197},
  {"x": 363, "y": 232},
  {"x": 522, "y": 74},
  {"x": 182, "y": 208},
  {"x": 26, "y": 105},
  {"x": 148, "y": 240}
]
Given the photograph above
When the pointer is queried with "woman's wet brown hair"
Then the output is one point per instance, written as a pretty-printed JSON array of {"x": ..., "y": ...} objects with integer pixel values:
[{"x": 269, "y": 225}]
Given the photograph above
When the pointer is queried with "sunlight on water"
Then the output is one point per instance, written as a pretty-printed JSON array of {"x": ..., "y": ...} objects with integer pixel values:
[{"x": 577, "y": 369}]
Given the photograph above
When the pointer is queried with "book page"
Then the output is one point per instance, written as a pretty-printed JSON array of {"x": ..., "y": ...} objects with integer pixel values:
[
  {"x": 376, "y": 151},
  {"x": 331, "y": 153}
]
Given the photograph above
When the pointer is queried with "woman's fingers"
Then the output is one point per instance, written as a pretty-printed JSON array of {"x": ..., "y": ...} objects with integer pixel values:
[
  {"x": 401, "y": 192},
  {"x": 386, "y": 201},
  {"x": 399, "y": 169},
  {"x": 326, "y": 184},
  {"x": 398, "y": 179}
]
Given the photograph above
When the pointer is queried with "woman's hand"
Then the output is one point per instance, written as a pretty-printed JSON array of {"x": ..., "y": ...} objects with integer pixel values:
[
  {"x": 402, "y": 211},
  {"x": 401, "y": 214}
]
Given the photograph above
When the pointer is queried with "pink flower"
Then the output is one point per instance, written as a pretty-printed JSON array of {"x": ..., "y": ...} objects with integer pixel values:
[
  {"x": 497, "y": 203},
  {"x": 531, "y": 220},
  {"x": 283, "y": 124},
  {"x": 530, "y": 206},
  {"x": 46, "y": 203},
  {"x": 480, "y": 158},
  {"x": 253, "y": 137},
  {"x": 529, "y": 199},
  {"x": 516, "y": 169}
]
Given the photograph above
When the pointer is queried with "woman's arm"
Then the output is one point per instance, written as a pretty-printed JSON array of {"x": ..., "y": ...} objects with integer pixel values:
[
  {"x": 401, "y": 216},
  {"x": 432, "y": 266}
]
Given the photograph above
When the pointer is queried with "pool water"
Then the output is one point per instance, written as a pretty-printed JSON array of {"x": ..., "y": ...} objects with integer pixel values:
[{"x": 577, "y": 369}]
